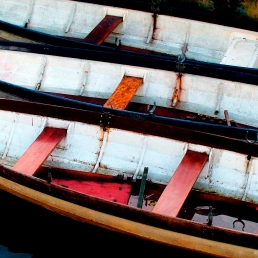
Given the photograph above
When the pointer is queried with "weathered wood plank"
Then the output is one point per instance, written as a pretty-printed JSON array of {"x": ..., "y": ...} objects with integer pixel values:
[
  {"x": 124, "y": 92},
  {"x": 39, "y": 150},
  {"x": 103, "y": 29},
  {"x": 181, "y": 183}
]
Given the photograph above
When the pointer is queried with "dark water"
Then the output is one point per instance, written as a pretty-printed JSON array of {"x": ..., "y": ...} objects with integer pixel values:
[
  {"x": 5, "y": 252},
  {"x": 29, "y": 231}
]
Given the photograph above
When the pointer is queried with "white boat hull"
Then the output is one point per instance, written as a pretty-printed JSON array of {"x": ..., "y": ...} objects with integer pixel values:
[
  {"x": 205, "y": 41},
  {"x": 226, "y": 173},
  {"x": 82, "y": 77}
]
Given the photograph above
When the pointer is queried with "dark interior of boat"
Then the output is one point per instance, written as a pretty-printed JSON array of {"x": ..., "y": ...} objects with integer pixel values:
[{"x": 201, "y": 207}]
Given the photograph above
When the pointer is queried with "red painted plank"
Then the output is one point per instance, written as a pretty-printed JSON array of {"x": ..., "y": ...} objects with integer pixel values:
[
  {"x": 112, "y": 191},
  {"x": 103, "y": 29},
  {"x": 181, "y": 183},
  {"x": 39, "y": 150}
]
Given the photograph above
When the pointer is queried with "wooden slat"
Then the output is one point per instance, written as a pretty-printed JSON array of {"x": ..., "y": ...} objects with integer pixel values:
[
  {"x": 124, "y": 92},
  {"x": 103, "y": 29},
  {"x": 39, "y": 150},
  {"x": 181, "y": 183}
]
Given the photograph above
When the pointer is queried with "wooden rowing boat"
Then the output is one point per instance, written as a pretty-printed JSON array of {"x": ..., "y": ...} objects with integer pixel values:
[
  {"x": 123, "y": 28},
  {"x": 159, "y": 88},
  {"x": 143, "y": 179}
]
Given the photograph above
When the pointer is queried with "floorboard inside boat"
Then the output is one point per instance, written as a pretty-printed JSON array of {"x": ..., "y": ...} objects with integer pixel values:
[
  {"x": 112, "y": 191},
  {"x": 227, "y": 212}
]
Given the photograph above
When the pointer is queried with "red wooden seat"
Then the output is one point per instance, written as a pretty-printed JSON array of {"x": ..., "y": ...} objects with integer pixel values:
[
  {"x": 103, "y": 29},
  {"x": 124, "y": 92},
  {"x": 39, "y": 150},
  {"x": 181, "y": 183}
]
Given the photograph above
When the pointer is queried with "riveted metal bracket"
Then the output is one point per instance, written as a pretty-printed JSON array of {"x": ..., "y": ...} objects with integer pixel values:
[
  {"x": 105, "y": 120},
  {"x": 180, "y": 67},
  {"x": 251, "y": 144}
]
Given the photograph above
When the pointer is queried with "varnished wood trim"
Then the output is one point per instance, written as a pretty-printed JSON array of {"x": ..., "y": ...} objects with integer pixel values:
[
  {"x": 130, "y": 213},
  {"x": 128, "y": 122},
  {"x": 153, "y": 234}
]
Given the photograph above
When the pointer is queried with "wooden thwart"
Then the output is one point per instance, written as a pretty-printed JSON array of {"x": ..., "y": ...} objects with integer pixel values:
[
  {"x": 181, "y": 183},
  {"x": 39, "y": 150},
  {"x": 124, "y": 92},
  {"x": 103, "y": 29}
]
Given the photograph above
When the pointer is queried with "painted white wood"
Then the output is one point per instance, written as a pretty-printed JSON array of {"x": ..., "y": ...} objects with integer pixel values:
[
  {"x": 101, "y": 152},
  {"x": 71, "y": 19},
  {"x": 204, "y": 95},
  {"x": 225, "y": 174},
  {"x": 254, "y": 60},
  {"x": 205, "y": 41},
  {"x": 248, "y": 176},
  {"x": 251, "y": 191},
  {"x": 241, "y": 52},
  {"x": 140, "y": 160},
  {"x": 41, "y": 75},
  {"x": 16, "y": 12},
  {"x": 9, "y": 139}
]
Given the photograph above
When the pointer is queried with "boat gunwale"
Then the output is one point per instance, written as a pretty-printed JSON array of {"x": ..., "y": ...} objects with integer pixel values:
[
  {"x": 221, "y": 134},
  {"x": 75, "y": 49},
  {"x": 144, "y": 231},
  {"x": 175, "y": 224}
]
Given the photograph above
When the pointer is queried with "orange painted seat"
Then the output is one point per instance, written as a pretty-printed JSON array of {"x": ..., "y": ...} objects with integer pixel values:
[
  {"x": 103, "y": 29},
  {"x": 181, "y": 183},
  {"x": 39, "y": 150},
  {"x": 124, "y": 92}
]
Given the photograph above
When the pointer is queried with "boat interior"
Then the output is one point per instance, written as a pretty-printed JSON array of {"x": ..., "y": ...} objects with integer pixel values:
[{"x": 139, "y": 170}]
